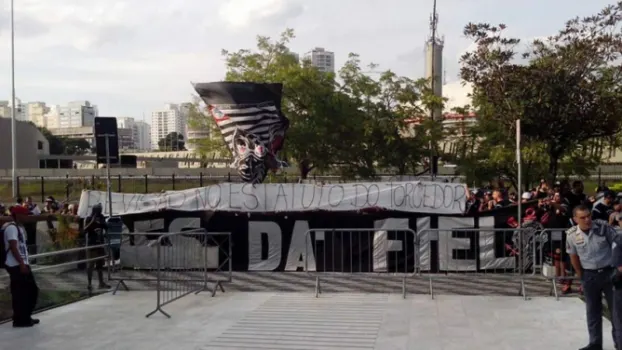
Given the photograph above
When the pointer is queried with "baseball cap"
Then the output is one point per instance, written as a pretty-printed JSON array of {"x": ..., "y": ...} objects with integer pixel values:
[{"x": 526, "y": 195}]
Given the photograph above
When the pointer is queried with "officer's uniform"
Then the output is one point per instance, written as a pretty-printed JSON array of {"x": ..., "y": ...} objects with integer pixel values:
[
  {"x": 616, "y": 313},
  {"x": 595, "y": 253}
]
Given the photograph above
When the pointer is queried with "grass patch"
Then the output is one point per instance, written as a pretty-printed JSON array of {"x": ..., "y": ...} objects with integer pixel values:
[{"x": 47, "y": 299}]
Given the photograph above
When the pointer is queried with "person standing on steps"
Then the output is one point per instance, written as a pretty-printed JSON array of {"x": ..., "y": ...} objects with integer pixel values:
[
  {"x": 589, "y": 244},
  {"x": 94, "y": 227},
  {"x": 24, "y": 289}
]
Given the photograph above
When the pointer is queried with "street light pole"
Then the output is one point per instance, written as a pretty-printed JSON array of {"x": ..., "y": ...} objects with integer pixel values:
[{"x": 13, "y": 108}]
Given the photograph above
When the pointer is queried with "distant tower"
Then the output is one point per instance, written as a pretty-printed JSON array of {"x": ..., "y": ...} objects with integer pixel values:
[{"x": 434, "y": 61}]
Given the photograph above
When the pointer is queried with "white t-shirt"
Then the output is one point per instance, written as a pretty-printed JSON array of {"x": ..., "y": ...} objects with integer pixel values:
[{"x": 11, "y": 234}]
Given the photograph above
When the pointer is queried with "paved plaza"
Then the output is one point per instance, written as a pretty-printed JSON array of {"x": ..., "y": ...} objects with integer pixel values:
[{"x": 298, "y": 321}]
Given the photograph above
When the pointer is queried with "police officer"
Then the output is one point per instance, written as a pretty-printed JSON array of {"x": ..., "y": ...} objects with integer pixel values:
[
  {"x": 94, "y": 227},
  {"x": 616, "y": 278},
  {"x": 589, "y": 246}
]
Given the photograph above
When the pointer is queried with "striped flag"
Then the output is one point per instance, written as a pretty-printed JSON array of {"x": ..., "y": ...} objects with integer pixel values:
[{"x": 251, "y": 122}]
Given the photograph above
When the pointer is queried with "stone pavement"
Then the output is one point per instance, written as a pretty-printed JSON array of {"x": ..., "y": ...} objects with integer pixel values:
[
  {"x": 298, "y": 321},
  {"x": 459, "y": 284}
]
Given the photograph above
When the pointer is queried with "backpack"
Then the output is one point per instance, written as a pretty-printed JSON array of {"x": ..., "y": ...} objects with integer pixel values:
[{"x": 4, "y": 251}]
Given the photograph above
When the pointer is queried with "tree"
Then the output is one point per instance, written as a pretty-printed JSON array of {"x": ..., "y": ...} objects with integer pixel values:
[
  {"x": 353, "y": 126},
  {"x": 212, "y": 145},
  {"x": 76, "y": 146},
  {"x": 57, "y": 146},
  {"x": 172, "y": 142},
  {"x": 568, "y": 91}
]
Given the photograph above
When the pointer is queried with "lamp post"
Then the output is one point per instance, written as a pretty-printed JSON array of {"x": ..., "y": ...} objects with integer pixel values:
[{"x": 13, "y": 108}]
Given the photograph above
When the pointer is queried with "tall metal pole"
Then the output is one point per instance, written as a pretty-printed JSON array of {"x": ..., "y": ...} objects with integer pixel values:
[
  {"x": 519, "y": 186},
  {"x": 432, "y": 86},
  {"x": 108, "y": 181},
  {"x": 13, "y": 108}
]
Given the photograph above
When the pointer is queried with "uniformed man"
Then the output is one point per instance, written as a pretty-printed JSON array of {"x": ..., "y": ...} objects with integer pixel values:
[
  {"x": 589, "y": 245},
  {"x": 616, "y": 278}
]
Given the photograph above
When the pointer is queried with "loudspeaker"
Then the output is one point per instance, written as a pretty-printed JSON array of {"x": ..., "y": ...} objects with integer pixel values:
[{"x": 106, "y": 127}]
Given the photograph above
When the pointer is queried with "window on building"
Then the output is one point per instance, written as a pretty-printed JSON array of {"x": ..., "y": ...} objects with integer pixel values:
[{"x": 39, "y": 145}]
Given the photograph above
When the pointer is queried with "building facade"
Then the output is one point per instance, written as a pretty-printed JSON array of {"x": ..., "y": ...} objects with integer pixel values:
[
  {"x": 144, "y": 135},
  {"x": 173, "y": 118},
  {"x": 322, "y": 59},
  {"x": 77, "y": 114},
  {"x": 126, "y": 141},
  {"x": 36, "y": 112},
  {"x": 31, "y": 144},
  {"x": 6, "y": 110}
]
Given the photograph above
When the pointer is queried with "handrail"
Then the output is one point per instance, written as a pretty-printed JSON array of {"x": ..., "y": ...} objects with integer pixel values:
[{"x": 66, "y": 251}]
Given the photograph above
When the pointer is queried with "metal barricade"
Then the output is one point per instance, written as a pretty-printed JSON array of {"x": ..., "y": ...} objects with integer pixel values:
[
  {"x": 134, "y": 259},
  {"x": 43, "y": 265},
  {"x": 554, "y": 261},
  {"x": 176, "y": 273},
  {"x": 474, "y": 254},
  {"x": 356, "y": 250}
]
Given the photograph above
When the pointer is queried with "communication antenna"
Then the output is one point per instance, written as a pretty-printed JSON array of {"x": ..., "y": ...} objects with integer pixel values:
[{"x": 433, "y": 27}]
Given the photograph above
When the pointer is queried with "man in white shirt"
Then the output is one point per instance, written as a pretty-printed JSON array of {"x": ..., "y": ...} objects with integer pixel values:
[{"x": 24, "y": 290}]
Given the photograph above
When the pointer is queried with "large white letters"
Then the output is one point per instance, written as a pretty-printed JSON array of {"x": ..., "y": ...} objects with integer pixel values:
[
  {"x": 273, "y": 232},
  {"x": 447, "y": 244},
  {"x": 382, "y": 243},
  {"x": 487, "y": 237},
  {"x": 300, "y": 253}
]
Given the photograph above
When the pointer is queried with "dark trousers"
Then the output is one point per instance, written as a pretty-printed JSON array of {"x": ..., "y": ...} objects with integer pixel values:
[
  {"x": 24, "y": 294},
  {"x": 595, "y": 284},
  {"x": 616, "y": 315}
]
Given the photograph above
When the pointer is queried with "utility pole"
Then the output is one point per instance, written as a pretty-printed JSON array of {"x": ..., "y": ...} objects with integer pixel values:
[{"x": 433, "y": 27}]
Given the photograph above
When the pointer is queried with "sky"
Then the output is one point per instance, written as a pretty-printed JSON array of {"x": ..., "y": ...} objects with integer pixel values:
[{"x": 131, "y": 57}]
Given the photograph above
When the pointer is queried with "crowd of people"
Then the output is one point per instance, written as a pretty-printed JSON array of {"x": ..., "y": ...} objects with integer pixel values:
[
  {"x": 553, "y": 202},
  {"x": 50, "y": 206}
]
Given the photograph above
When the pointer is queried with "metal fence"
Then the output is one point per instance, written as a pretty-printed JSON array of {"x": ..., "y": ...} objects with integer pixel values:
[
  {"x": 553, "y": 262},
  {"x": 355, "y": 250},
  {"x": 476, "y": 254},
  {"x": 68, "y": 188},
  {"x": 178, "y": 263}
]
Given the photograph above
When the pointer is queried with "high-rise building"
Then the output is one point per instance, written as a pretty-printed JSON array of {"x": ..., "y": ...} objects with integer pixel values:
[
  {"x": 141, "y": 133},
  {"x": 36, "y": 112},
  {"x": 77, "y": 114},
  {"x": 144, "y": 135},
  {"x": 52, "y": 117},
  {"x": 21, "y": 112},
  {"x": 322, "y": 59},
  {"x": 6, "y": 110},
  {"x": 172, "y": 118}
]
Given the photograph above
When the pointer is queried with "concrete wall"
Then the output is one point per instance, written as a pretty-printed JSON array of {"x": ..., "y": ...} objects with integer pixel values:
[{"x": 28, "y": 138}]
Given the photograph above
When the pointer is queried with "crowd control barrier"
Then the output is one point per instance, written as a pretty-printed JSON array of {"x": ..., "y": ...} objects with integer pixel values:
[
  {"x": 355, "y": 251},
  {"x": 476, "y": 254},
  {"x": 552, "y": 259},
  {"x": 177, "y": 263}
]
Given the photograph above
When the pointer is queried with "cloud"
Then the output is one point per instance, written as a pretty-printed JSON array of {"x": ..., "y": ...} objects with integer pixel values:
[{"x": 244, "y": 13}]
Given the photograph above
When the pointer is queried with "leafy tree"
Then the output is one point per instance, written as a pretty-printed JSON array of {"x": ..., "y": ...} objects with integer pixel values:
[
  {"x": 172, "y": 142},
  {"x": 352, "y": 126},
  {"x": 309, "y": 99},
  {"x": 76, "y": 146},
  {"x": 57, "y": 146},
  {"x": 212, "y": 145},
  {"x": 566, "y": 93}
]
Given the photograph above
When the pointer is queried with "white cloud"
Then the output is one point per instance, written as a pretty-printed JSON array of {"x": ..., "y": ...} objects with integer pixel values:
[
  {"x": 132, "y": 56},
  {"x": 244, "y": 13}
]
